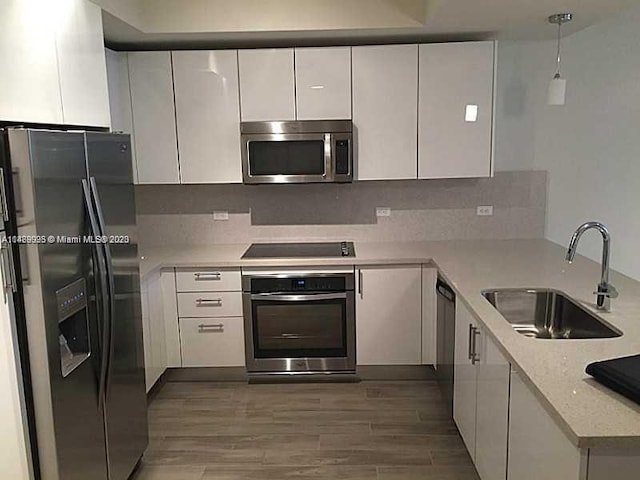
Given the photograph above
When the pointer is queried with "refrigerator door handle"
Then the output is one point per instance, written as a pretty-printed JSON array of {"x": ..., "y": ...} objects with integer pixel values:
[
  {"x": 110, "y": 276},
  {"x": 3, "y": 198},
  {"x": 101, "y": 264}
]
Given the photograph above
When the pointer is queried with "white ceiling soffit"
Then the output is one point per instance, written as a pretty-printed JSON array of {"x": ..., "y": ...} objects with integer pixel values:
[{"x": 246, "y": 23}]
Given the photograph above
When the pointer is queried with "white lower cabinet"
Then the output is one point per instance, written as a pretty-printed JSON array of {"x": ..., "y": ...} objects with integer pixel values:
[
  {"x": 156, "y": 317},
  {"x": 207, "y": 342},
  {"x": 538, "y": 448},
  {"x": 492, "y": 410},
  {"x": 429, "y": 314},
  {"x": 481, "y": 396},
  {"x": 465, "y": 374},
  {"x": 389, "y": 315},
  {"x": 211, "y": 326}
]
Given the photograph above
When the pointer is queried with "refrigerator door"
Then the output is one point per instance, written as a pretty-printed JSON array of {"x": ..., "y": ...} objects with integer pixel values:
[
  {"x": 62, "y": 325},
  {"x": 110, "y": 173}
]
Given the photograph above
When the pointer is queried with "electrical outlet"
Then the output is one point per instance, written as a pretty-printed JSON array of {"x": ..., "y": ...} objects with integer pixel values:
[
  {"x": 383, "y": 212},
  {"x": 220, "y": 216},
  {"x": 485, "y": 211}
]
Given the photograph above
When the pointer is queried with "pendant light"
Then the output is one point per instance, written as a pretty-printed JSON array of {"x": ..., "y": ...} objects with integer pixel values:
[{"x": 558, "y": 85}]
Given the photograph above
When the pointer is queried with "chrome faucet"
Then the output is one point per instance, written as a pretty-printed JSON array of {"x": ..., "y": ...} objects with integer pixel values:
[{"x": 606, "y": 291}]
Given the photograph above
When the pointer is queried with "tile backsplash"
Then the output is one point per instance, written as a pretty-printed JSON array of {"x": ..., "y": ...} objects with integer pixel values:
[{"x": 420, "y": 210}]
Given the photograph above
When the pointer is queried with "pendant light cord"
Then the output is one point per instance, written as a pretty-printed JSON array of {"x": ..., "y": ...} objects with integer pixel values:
[{"x": 558, "y": 58}]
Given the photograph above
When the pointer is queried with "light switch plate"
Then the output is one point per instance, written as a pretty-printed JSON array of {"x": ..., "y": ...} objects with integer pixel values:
[
  {"x": 484, "y": 211},
  {"x": 383, "y": 212},
  {"x": 220, "y": 216}
]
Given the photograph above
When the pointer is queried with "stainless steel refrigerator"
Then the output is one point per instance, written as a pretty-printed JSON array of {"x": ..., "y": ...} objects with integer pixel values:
[{"x": 71, "y": 260}]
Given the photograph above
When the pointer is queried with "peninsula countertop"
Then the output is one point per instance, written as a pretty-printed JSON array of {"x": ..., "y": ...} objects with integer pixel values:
[{"x": 590, "y": 414}]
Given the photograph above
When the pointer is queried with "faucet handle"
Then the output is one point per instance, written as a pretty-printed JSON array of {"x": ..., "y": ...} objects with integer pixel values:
[{"x": 607, "y": 290}]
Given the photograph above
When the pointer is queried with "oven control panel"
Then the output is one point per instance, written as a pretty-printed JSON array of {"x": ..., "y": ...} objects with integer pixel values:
[{"x": 299, "y": 284}]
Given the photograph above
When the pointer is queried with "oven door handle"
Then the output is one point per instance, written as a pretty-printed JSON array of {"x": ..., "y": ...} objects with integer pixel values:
[{"x": 271, "y": 297}]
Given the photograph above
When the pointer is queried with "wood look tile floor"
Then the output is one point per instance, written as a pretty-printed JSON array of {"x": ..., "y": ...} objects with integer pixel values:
[{"x": 353, "y": 431}]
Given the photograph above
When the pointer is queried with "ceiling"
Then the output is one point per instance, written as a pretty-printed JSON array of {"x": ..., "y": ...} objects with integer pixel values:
[{"x": 157, "y": 24}]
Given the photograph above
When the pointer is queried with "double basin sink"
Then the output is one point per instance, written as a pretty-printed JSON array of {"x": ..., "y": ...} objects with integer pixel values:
[{"x": 548, "y": 314}]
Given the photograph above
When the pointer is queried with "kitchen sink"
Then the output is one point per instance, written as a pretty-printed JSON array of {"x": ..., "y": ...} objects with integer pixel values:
[{"x": 549, "y": 314}]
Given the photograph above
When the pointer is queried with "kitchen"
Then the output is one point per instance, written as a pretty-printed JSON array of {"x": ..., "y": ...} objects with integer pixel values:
[{"x": 436, "y": 171}]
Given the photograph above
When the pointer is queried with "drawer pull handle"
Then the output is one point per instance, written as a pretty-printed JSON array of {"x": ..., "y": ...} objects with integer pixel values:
[
  {"x": 208, "y": 276},
  {"x": 209, "y": 302},
  {"x": 219, "y": 327}
]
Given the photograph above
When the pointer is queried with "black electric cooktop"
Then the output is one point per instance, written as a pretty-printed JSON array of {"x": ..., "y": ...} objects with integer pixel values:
[{"x": 300, "y": 250}]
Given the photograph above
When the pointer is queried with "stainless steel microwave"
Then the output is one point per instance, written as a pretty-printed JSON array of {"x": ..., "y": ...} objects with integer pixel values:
[{"x": 307, "y": 151}]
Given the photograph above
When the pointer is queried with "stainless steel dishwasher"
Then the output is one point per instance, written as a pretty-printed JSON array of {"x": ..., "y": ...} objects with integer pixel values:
[{"x": 446, "y": 328}]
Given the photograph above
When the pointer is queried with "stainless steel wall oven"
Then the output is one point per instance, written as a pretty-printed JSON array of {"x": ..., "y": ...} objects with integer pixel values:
[{"x": 299, "y": 321}]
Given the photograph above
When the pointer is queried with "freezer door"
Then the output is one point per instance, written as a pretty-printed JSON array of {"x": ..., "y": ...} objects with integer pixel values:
[
  {"x": 109, "y": 166},
  {"x": 62, "y": 327}
]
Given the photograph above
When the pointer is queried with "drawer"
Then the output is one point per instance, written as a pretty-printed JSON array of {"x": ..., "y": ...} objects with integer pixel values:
[
  {"x": 210, "y": 304},
  {"x": 212, "y": 342},
  {"x": 208, "y": 280}
]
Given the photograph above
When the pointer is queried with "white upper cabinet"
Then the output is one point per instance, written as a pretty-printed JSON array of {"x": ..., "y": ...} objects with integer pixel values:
[
  {"x": 389, "y": 316},
  {"x": 456, "y": 110},
  {"x": 323, "y": 83},
  {"x": 385, "y": 113},
  {"x": 82, "y": 65},
  {"x": 267, "y": 85},
  {"x": 208, "y": 116},
  {"x": 53, "y": 63},
  {"x": 29, "y": 86},
  {"x": 154, "y": 117},
  {"x": 120, "y": 99}
]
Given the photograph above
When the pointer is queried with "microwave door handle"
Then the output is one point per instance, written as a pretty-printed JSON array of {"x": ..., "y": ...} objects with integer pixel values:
[
  {"x": 270, "y": 297},
  {"x": 329, "y": 156}
]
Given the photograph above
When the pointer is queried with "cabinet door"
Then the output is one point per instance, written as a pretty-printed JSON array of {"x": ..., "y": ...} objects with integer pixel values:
[
  {"x": 492, "y": 417},
  {"x": 385, "y": 112},
  {"x": 29, "y": 86},
  {"x": 456, "y": 110},
  {"x": 154, "y": 120},
  {"x": 267, "y": 84},
  {"x": 82, "y": 65},
  {"x": 388, "y": 316},
  {"x": 538, "y": 449},
  {"x": 323, "y": 83},
  {"x": 429, "y": 313},
  {"x": 212, "y": 342},
  {"x": 120, "y": 99},
  {"x": 465, "y": 377},
  {"x": 208, "y": 116},
  {"x": 153, "y": 329}
]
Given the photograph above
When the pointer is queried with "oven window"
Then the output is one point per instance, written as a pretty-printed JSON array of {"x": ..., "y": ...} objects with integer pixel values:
[
  {"x": 304, "y": 157},
  {"x": 299, "y": 330}
]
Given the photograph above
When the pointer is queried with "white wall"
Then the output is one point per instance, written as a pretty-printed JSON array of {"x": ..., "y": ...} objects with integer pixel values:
[{"x": 591, "y": 146}]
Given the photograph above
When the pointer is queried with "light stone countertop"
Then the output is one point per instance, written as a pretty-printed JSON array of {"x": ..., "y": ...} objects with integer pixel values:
[{"x": 590, "y": 414}]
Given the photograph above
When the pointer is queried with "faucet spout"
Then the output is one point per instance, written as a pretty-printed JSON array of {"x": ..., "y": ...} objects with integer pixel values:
[{"x": 605, "y": 291}]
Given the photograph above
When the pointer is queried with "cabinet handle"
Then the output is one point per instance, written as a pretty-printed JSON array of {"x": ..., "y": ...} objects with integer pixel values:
[
  {"x": 475, "y": 358},
  {"x": 219, "y": 327},
  {"x": 209, "y": 302},
  {"x": 208, "y": 276},
  {"x": 470, "y": 342},
  {"x": 360, "y": 284}
]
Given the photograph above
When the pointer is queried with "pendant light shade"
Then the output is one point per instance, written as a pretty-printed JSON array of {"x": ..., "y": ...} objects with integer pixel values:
[
  {"x": 558, "y": 85},
  {"x": 557, "y": 91}
]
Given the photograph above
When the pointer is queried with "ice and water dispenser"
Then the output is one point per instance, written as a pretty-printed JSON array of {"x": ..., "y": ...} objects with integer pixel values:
[{"x": 73, "y": 325}]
